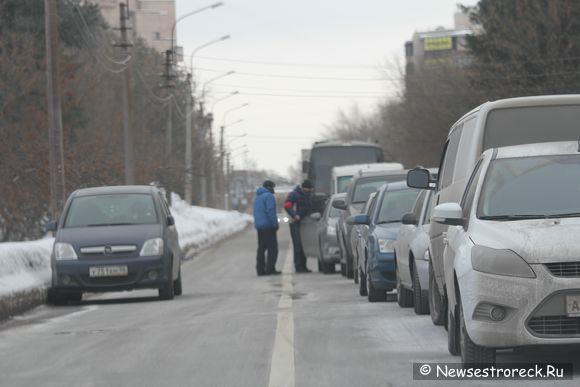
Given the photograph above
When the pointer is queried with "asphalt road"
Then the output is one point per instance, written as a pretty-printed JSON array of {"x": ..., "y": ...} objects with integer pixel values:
[{"x": 231, "y": 328}]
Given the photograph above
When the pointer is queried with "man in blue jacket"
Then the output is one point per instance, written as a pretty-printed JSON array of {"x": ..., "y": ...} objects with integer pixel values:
[
  {"x": 297, "y": 206},
  {"x": 266, "y": 222}
]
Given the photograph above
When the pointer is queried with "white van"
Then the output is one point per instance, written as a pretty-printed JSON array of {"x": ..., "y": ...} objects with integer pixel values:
[
  {"x": 342, "y": 176},
  {"x": 500, "y": 123}
]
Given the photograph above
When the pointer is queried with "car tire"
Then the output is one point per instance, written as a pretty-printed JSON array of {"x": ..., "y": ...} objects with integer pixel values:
[
  {"x": 54, "y": 297},
  {"x": 437, "y": 304},
  {"x": 320, "y": 266},
  {"x": 420, "y": 303},
  {"x": 167, "y": 291},
  {"x": 472, "y": 353},
  {"x": 362, "y": 285},
  {"x": 374, "y": 295},
  {"x": 404, "y": 296},
  {"x": 328, "y": 268},
  {"x": 452, "y": 332},
  {"x": 177, "y": 287},
  {"x": 343, "y": 269},
  {"x": 348, "y": 269}
]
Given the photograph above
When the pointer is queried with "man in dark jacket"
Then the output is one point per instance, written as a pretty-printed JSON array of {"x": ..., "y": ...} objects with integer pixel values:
[
  {"x": 298, "y": 205},
  {"x": 266, "y": 222}
]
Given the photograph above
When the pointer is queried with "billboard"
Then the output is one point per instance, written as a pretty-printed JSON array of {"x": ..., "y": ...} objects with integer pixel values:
[{"x": 438, "y": 44}]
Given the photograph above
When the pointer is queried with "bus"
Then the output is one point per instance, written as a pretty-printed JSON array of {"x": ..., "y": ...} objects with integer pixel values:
[{"x": 325, "y": 155}]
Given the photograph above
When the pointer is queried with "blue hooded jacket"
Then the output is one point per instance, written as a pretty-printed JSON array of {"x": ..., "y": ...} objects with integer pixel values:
[{"x": 265, "y": 210}]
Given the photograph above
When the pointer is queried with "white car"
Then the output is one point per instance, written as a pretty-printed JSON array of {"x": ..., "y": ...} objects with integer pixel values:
[{"x": 512, "y": 252}]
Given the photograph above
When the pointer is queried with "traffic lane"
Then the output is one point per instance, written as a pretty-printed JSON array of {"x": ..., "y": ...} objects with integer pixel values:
[
  {"x": 343, "y": 340},
  {"x": 220, "y": 332}
]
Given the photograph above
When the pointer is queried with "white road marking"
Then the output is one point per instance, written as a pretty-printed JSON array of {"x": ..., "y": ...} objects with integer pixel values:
[{"x": 282, "y": 365}]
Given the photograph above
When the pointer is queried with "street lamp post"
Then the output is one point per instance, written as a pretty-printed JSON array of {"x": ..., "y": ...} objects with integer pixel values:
[
  {"x": 212, "y": 170},
  {"x": 211, "y": 6},
  {"x": 222, "y": 150},
  {"x": 188, "y": 135}
]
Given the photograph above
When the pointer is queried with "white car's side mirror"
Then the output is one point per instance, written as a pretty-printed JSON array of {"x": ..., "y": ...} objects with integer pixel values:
[{"x": 450, "y": 214}]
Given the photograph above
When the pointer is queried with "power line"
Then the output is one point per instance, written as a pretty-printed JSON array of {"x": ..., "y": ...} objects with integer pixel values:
[
  {"x": 334, "y": 65},
  {"x": 295, "y": 90},
  {"x": 296, "y": 76},
  {"x": 306, "y": 95}
]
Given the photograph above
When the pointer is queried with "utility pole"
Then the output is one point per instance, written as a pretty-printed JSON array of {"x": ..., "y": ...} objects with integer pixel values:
[
  {"x": 227, "y": 183},
  {"x": 188, "y": 157},
  {"x": 55, "y": 143},
  {"x": 222, "y": 179},
  {"x": 203, "y": 179},
  {"x": 212, "y": 168},
  {"x": 168, "y": 76},
  {"x": 126, "y": 97}
]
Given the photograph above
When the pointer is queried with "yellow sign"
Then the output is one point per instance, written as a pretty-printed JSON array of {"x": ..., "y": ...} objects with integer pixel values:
[{"x": 438, "y": 44}]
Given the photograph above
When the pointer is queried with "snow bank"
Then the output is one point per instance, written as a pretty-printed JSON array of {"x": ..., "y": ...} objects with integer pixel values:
[
  {"x": 199, "y": 227},
  {"x": 24, "y": 265}
]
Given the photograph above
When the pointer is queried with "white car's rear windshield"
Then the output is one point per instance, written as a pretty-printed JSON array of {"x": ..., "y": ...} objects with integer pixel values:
[{"x": 111, "y": 210}]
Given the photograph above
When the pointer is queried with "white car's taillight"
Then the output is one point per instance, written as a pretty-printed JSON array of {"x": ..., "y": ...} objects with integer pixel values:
[
  {"x": 64, "y": 252},
  {"x": 152, "y": 247}
]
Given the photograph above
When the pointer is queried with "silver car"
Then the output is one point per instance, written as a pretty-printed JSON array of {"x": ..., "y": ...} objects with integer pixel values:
[
  {"x": 412, "y": 255},
  {"x": 512, "y": 254},
  {"x": 329, "y": 253}
]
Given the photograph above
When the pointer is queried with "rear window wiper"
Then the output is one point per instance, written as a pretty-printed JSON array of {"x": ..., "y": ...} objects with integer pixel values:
[
  {"x": 109, "y": 224},
  {"x": 566, "y": 215},
  {"x": 388, "y": 221},
  {"x": 513, "y": 217}
]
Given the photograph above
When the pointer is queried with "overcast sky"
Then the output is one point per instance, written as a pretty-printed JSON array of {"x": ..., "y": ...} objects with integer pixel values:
[{"x": 297, "y": 63}]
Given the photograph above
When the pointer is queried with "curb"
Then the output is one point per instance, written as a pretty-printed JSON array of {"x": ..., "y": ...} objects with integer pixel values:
[{"x": 20, "y": 302}]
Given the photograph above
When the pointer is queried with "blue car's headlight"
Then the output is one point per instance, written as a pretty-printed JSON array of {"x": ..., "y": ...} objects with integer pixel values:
[{"x": 386, "y": 245}]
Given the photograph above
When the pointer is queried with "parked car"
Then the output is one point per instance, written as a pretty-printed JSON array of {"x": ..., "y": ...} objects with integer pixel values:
[
  {"x": 329, "y": 254},
  {"x": 377, "y": 238},
  {"x": 342, "y": 176},
  {"x": 358, "y": 193},
  {"x": 115, "y": 238},
  {"x": 412, "y": 255},
  {"x": 512, "y": 263},
  {"x": 500, "y": 123}
]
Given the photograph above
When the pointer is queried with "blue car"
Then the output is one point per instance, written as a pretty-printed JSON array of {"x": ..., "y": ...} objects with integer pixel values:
[{"x": 376, "y": 238}]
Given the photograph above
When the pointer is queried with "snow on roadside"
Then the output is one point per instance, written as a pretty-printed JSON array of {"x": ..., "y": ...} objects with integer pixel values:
[
  {"x": 26, "y": 265},
  {"x": 199, "y": 227}
]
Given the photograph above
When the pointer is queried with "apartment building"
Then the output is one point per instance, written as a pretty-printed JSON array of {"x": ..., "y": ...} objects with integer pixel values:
[{"x": 150, "y": 20}]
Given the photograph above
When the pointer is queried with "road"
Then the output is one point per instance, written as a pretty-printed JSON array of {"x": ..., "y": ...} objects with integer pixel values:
[{"x": 232, "y": 328}]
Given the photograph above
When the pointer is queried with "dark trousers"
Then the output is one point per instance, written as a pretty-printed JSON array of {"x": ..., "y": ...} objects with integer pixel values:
[
  {"x": 267, "y": 241},
  {"x": 299, "y": 257}
]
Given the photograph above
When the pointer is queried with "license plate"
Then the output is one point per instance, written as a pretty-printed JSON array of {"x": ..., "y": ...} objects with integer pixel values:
[
  {"x": 108, "y": 271},
  {"x": 573, "y": 306}
]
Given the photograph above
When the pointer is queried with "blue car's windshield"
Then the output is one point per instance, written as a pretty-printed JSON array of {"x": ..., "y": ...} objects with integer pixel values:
[
  {"x": 395, "y": 204},
  {"x": 106, "y": 210}
]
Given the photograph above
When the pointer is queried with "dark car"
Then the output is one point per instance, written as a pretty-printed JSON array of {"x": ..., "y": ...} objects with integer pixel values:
[
  {"x": 112, "y": 239},
  {"x": 358, "y": 193},
  {"x": 377, "y": 238}
]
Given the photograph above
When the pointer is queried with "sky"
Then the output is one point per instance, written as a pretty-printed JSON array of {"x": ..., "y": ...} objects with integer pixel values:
[{"x": 297, "y": 64}]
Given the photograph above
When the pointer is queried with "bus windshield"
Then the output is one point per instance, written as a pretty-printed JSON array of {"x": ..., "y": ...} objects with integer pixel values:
[{"x": 323, "y": 159}]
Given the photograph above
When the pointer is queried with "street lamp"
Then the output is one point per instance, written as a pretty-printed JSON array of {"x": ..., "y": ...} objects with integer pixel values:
[
  {"x": 205, "y": 84},
  {"x": 234, "y": 138},
  {"x": 212, "y": 6},
  {"x": 189, "y": 111}
]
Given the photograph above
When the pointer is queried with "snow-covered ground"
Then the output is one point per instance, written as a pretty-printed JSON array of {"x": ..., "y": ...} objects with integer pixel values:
[{"x": 26, "y": 265}]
